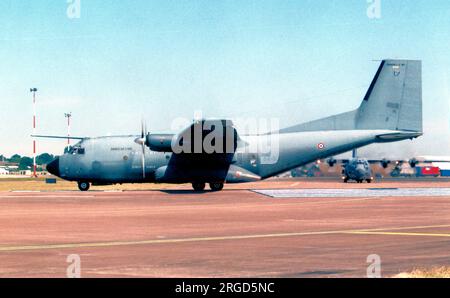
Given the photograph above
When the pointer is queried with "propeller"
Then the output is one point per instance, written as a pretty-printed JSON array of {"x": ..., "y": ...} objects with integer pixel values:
[
  {"x": 141, "y": 141},
  {"x": 331, "y": 161},
  {"x": 385, "y": 163},
  {"x": 413, "y": 162}
]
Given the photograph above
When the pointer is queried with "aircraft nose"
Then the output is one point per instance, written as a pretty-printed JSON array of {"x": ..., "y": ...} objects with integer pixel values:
[
  {"x": 360, "y": 171},
  {"x": 53, "y": 167}
]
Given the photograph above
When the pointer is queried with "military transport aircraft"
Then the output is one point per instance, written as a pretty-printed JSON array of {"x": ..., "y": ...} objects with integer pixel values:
[
  {"x": 390, "y": 111},
  {"x": 358, "y": 169}
]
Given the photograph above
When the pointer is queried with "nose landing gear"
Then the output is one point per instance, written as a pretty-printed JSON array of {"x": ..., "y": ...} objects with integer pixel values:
[{"x": 83, "y": 185}]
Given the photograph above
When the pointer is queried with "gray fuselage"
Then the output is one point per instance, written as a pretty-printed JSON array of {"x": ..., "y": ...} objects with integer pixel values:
[{"x": 117, "y": 159}]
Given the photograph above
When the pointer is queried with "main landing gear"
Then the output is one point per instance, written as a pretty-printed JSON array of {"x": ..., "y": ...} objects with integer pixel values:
[
  {"x": 216, "y": 186},
  {"x": 83, "y": 185},
  {"x": 346, "y": 179},
  {"x": 362, "y": 181},
  {"x": 200, "y": 186}
]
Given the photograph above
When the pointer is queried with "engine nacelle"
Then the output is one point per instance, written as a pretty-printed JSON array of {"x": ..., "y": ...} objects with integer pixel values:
[
  {"x": 159, "y": 142},
  {"x": 385, "y": 163},
  {"x": 331, "y": 162},
  {"x": 413, "y": 162}
]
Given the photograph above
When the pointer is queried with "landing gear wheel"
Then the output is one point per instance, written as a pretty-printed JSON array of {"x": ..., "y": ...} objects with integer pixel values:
[
  {"x": 369, "y": 180},
  {"x": 216, "y": 186},
  {"x": 345, "y": 180},
  {"x": 198, "y": 186},
  {"x": 83, "y": 186}
]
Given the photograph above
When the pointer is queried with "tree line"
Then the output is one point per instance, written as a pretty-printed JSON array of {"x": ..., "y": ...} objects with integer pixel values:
[{"x": 25, "y": 162}]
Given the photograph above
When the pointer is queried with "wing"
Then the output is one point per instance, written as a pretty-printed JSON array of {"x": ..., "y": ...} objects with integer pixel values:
[
  {"x": 58, "y": 137},
  {"x": 332, "y": 162}
]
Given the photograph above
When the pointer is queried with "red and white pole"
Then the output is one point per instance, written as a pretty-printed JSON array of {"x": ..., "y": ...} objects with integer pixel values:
[
  {"x": 34, "y": 90},
  {"x": 68, "y": 116}
]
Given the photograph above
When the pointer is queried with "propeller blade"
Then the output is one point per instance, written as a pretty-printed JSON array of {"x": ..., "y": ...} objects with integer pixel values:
[
  {"x": 143, "y": 161},
  {"x": 141, "y": 141},
  {"x": 143, "y": 132}
]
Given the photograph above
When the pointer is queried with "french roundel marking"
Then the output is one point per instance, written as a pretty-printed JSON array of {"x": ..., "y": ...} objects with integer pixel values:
[{"x": 321, "y": 146}]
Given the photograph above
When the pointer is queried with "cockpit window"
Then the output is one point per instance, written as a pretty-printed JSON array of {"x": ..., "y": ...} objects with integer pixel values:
[{"x": 76, "y": 150}]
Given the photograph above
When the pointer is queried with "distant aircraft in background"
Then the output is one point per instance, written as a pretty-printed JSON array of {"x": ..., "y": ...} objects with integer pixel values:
[
  {"x": 422, "y": 166},
  {"x": 391, "y": 111},
  {"x": 357, "y": 169}
]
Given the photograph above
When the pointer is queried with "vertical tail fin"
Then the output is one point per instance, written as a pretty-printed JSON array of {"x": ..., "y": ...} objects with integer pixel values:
[{"x": 394, "y": 99}]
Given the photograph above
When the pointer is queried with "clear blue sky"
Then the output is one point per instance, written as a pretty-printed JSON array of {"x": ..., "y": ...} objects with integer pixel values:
[{"x": 296, "y": 60}]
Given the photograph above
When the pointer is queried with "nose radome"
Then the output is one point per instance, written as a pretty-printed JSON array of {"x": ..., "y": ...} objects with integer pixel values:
[
  {"x": 53, "y": 167},
  {"x": 360, "y": 171}
]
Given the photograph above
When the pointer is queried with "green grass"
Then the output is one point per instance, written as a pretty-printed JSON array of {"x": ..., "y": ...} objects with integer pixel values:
[{"x": 38, "y": 184}]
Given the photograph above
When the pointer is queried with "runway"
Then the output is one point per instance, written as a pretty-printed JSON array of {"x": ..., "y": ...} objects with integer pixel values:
[{"x": 234, "y": 233}]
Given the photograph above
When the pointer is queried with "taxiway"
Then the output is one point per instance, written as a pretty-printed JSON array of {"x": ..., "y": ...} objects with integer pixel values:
[{"x": 243, "y": 231}]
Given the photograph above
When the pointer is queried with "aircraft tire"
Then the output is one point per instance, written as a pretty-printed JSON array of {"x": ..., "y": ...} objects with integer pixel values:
[
  {"x": 345, "y": 180},
  {"x": 216, "y": 186},
  {"x": 198, "y": 186},
  {"x": 369, "y": 180},
  {"x": 83, "y": 185}
]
